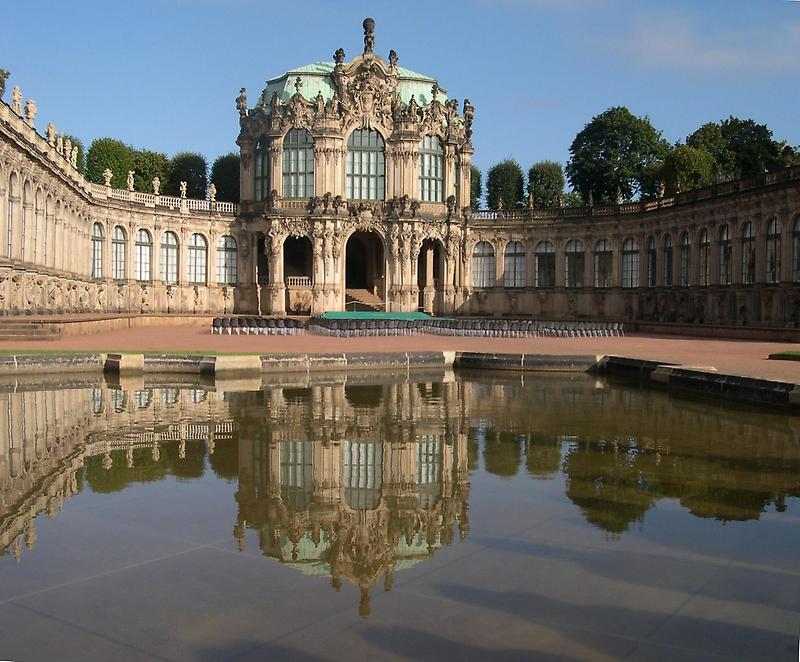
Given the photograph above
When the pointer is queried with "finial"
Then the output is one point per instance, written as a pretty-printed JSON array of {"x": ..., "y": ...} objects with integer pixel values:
[
  {"x": 298, "y": 83},
  {"x": 369, "y": 35},
  {"x": 393, "y": 58},
  {"x": 435, "y": 90},
  {"x": 338, "y": 56}
]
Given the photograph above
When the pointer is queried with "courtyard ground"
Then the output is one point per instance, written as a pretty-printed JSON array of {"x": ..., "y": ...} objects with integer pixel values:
[{"x": 737, "y": 357}]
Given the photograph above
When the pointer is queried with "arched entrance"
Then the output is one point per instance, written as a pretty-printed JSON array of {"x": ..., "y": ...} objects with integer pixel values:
[
  {"x": 298, "y": 270},
  {"x": 364, "y": 277},
  {"x": 429, "y": 275}
]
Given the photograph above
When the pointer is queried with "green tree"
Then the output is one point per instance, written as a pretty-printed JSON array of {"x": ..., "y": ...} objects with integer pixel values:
[
  {"x": 573, "y": 199},
  {"x": 475, "y": 187},
  {"x": 710, "y": 139},
  {"x": 81, "y": 151},
  {"x": 687, "y": 168},
  {"x": 612, "y": 157},
  {"x": 146, "y": 166},
  {"x": 546, "y": 183},
  {"x": 505, "y": 182},
  {"x": 192, "y": 168},
  {"x": 225, "y": 175},
  {"x": 109, "y": 153},
  {"x": 752, "y": 145}
]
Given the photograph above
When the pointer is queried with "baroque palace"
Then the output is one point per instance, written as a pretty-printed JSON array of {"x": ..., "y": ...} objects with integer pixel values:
[{"x": 355, "y": 181}]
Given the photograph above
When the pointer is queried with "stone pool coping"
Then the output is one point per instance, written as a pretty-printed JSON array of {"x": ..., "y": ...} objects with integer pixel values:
[{"x": 699, "y": 380}]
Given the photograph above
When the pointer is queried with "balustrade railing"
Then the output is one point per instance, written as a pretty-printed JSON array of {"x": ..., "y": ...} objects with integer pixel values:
[{"x": 298, "y": 281}]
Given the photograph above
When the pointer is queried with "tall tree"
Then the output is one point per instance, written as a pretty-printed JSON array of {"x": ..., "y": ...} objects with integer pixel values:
[
  {"x": 81, "y": 151},
  {"x": 504, "y": 182},
  {"x": 225, "y": 176},
  {"x": 613, "y": 156},
  {"x": 686, "y": 168},
  {"x": 710, "y": 139},
  {"x": 475, "y": 187},
  {"x": 192, "y": 168},
  {"x": 112, "y": 154},
  {"x": 546, "y": 183},
  {"x": 148, "y": 165},
  {"x": 752, "y": 145}
]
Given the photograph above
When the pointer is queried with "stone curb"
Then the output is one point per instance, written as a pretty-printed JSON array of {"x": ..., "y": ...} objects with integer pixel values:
[{"x": 532, "y": 362}]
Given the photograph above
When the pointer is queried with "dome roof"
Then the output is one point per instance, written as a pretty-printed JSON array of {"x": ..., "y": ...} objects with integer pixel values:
[{"x": 317, "y": 77}]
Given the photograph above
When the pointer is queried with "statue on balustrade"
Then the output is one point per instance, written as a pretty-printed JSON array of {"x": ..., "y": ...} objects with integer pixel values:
[
  {"x": 16, "y": 100},
  {"x": 30, "y": 112},
  {"x": 130, "y": 180},
  {"x": 183, "y": 189},
  {"x": 51, "y": 134},
  {"x": 212, "y": 192},
  {"x": 107, "y": 175},
  {"x": 156, "y": 186},
  {"x": 241, "y": 102}
]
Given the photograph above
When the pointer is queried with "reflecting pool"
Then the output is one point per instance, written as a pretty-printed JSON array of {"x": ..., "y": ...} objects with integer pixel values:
[{"x": 396, "y": 516}]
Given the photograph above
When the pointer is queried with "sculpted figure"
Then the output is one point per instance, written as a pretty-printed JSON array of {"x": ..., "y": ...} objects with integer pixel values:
[
  {"x": 275, "y": 105},
  {"x": 413, "y": 109},
  {"x": 74, "y": 157},
  {"x": 241, "y": 102},
  {"x": 319, "y": 104},
  {"x": 156, "y": 186},
  {"x": 16, "y": 100},
  {"x": 67, "y": 148},
  {"x": 273, "y": 198},
  {"x": 130, "y": 180},
  {"x": 469, "y": 113},
  {"x": 369, "y": 35},
  {"x": 338, "y": 56},
  {"x": 30, "y": 112},
  {"x": 107, "y": 175},
  {"x": 4, "y": 74},
  {"x": 60, "y": 144},
  {"x": 392, "y": 59},
  {"x": 212, "y": 192},
  {"x": 183, "y": 189},
  {"x": 51, "y": 134}
]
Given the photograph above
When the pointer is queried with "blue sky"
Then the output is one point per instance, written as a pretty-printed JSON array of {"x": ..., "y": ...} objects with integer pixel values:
[{"x": 163, "y": 74}]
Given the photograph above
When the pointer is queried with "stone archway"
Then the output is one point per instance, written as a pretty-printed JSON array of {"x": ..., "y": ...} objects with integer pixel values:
[
  {"x": 298, "y": 274},
  {"x": 365, "y": 272},
  {"x": 430, "y": 271}
]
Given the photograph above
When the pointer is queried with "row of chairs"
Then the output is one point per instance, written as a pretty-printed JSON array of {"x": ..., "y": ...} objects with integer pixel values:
[
  {"x": 256, "y": 326},
  {"x": 465, "y": 327}
]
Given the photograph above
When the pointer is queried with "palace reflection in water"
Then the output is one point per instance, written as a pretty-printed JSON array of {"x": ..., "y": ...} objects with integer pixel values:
[{"x": 355, "y": 479}]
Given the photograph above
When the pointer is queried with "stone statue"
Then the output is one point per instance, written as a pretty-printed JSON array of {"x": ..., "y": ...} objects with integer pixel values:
[
  {"x": 275, "y": 105},
  {"x": 319, "y": 104},
  {"x": 74, "y": 156},
  {"x": 4, "y": 74},
  {"x": 369, "y": 35},
  {"x": 60, "y": 144},
  {"x": 338, "y": 56},
  {"x": 435, "y": 91},
  {"x": 212, "y": 192},
  {"x": 241, "y": 102},
  {"x": 273, "y": 198},
  {"x": 107, "y": 175},
  {"x": 16, "y": 100},
  {"x": 130, "y": 180},
  {"x": 67, "y": 149},
  {"x": 413, "y": 108},
  {"x": 156, "y": 186},
  {"x": 30, "y": 112},
  {"x": 392, "y": 59},
  {"x": 183, "y": 189},
  {"x": 469, "y": 113},
  {"x": 51, "y": 134}
]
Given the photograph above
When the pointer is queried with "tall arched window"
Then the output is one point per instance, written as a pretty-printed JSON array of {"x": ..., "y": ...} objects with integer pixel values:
[
  {"x": 773, "y": 254},
  {"x": 796, "y": 251},
  {"x": 603, "y": 259},
  {"x": 169, "y": 258},
  {"x": 431, "y": 169},
  {"x": 198, "y": 259},
  {"x": 725, "y": 255},
  {"x": 97, "y": 251},
  {"x": 544, "y": 264},
  {"x": 669, "y": 262},
  {"x": 143, "y": 259},
  {"x": 514, "y": 265},
  {"x": 10, "y": 217},
  {"x": 262, "y": 169},
  {"x": 748, "y": 254},
  {"x": 483, "y": 265},
  {"x": 366, "y": 168},
  {"x": 227, "y": 259},
  {"x": 24, "y": 218},
  {"x": 298, "y": 164},
  {"x": 684, "y": 259},
  {"x": 630, "y": 263},
  {"x": 574, "y": 263},
  {"x": 119, "y": 245},
  {"x": 652, "y": 262},
  {"x": 704, "y": 276}
]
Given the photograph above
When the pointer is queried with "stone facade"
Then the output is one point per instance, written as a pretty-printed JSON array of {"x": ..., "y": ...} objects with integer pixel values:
[{"x": 355, "y": 180}]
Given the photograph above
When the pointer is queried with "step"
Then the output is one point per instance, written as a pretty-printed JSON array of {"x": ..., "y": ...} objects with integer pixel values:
[{"x": 24, "y": 337}]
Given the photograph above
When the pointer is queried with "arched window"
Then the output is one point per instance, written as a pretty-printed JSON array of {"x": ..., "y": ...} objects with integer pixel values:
[
  {"x": 227, "y": 258},
  {"x": 773, "y": 252},
  {"x": 514, "y": 265},
  {"x": 684, "y": 259},
  {"x": 669, "y": 264},
  {"x": 198, "y": 259},
  {"x": 748, "y": 254},
  {"x": 24, "y": 218},
  {"x": 10, "y": 218},
  {"x": 630, "y": 263},
  {"x": 298, "y": 164},
  {"x": 725, "y": 255},
  {"x": 796, "y": 251},
  {"x": 169, "y": 258},
  {"x": 544, "y": 264},
  {"x": 574, "y": 263},
  {"x": 652, "y": 262},
  {"x": 262, "y": 169},
  {"x": 97, "y": 251},
  {"x": 431, "y": 170},
  {"x": 119, "y": 246},
  {"x": 603, "y": 257},
  {"x": 366, "y": 169},
  {"x": 142, "y": 269},
  {"x": 482, "y": 265},
  {"x": 704, "y": 275}
]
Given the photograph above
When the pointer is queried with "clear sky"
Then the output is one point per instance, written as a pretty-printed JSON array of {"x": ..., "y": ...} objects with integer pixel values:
[{"x": 163, "y": 74}]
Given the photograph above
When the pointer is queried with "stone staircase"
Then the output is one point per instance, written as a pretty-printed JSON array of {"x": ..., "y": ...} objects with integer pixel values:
[
  {"x": 24, "y": 330},
  {"x": 362, "y": 300}
]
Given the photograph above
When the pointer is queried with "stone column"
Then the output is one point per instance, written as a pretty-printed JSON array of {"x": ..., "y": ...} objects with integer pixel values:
[{"x": 276, "y": 285}]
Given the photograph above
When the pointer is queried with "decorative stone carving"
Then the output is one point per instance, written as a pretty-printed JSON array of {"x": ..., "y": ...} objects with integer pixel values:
[
  {"x": 60, "y": 144},
  {"x": 50, "y": 132},
  {"x": 183, "y": 190},
  {"x": 338, "y": 56},
  {"x": 369, "y": 35},
  {"x": 393, "y": 59},
  {"x": 30, "y": 112},
  {"x": 212, "y": 192},
  {"x": 241, "y": 102},
  {"x": 67, "y": 149},
  {"x": 156, "y": 186},
  {"x": 130, "y": 180},
  {"x": 16, "y": 100},
  {"x": 107, "y": 175},
  {"x": 74, "y": 158}
]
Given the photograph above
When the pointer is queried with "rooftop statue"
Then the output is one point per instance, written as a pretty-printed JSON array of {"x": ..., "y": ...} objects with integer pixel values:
[
  {"x": 16, "y": 100},
  {"x": 338, "y": 56},
  {"x": 212, "y": 192},
  {"x": 51, "y": 134},
  {"x": 156, "y": 186},
  {"x": 130, "y": 180},
  {"x": 183, "y": 189},
  {"x": 369, "y": 35},
  {"x": 241, "y": 102},
  {"x": 107, "y": 175},
  {"x": 30, "y": 112}
]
